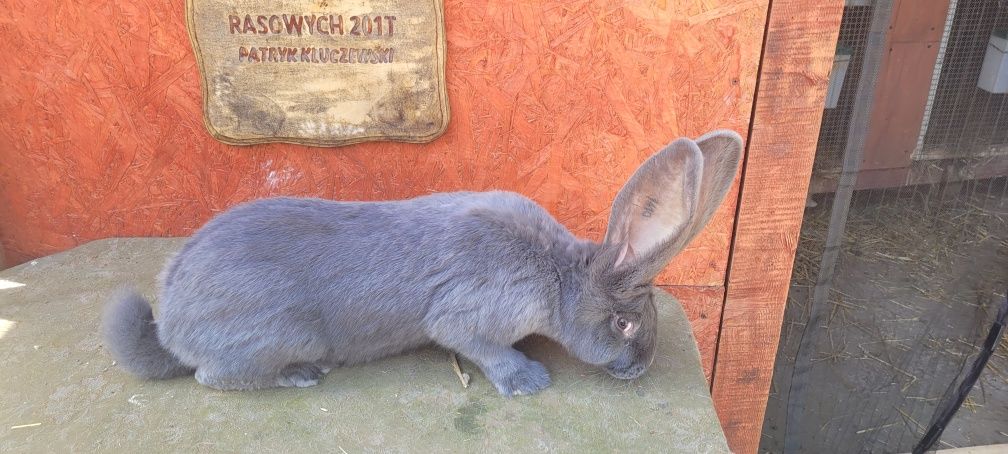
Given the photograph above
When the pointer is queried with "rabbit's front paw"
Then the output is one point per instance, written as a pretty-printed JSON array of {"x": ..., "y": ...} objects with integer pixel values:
[{"x": 529, "y": 378}]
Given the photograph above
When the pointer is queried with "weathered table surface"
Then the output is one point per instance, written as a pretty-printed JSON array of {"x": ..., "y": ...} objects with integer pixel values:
[{"x": 61, "y": 391}]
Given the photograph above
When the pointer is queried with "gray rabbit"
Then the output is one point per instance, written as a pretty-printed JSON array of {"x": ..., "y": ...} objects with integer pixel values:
[{"x": 276, "y": 292}]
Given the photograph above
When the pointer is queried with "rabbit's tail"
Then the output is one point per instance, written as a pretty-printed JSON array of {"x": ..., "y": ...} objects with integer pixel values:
[{"x": 131, "y": 337}]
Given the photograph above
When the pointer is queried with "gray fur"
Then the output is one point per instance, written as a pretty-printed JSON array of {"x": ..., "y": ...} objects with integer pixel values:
[
  {"x": 277, "y": 291},
  {"x": 128, "y": 330}
]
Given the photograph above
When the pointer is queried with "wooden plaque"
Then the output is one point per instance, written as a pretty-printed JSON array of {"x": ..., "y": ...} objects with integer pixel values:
[{"x": 320, "y": 72}]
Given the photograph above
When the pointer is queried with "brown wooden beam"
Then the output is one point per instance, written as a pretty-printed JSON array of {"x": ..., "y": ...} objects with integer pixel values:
[
  {"x": 903, "y": 82},
  {"x": 800, "y": 41}
]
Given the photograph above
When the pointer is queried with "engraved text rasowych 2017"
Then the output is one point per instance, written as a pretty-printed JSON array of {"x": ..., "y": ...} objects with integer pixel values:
[{"x": 365, "y": 26}]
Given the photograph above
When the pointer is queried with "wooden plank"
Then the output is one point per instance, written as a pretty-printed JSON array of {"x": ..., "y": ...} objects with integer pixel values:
[
  {"x": 913, "y": 24},
  {"x": 988, "y": 449},
  {"x": 703, "y": 308},
  {"x": 903, "y": 82},
  {"x": 867, "y": 179},
  {"x": 924, "y": 171},
  {"x": 974, "y": 151},
  {"x": 798, "y": 54},
  {"x": 935, "y": 171}
]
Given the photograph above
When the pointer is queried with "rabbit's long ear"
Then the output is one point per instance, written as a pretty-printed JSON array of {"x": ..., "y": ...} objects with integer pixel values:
[
  {"x": 656, "y": 204},
  {"x": 670, "y": 199}
]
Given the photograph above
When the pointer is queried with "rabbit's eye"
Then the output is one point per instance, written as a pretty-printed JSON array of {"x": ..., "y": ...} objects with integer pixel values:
[{"x": 624, "y": 325}]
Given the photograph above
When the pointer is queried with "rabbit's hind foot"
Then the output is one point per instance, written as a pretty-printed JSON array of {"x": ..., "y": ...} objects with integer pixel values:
[{"x": 299, "y": 375}]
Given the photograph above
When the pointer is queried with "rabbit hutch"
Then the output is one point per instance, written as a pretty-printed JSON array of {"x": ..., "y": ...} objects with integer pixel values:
[{"x": 103, "y": 135}]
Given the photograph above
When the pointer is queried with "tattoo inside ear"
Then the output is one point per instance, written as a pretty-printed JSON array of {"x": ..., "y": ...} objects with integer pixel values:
[{"x": 650, "y": 205}]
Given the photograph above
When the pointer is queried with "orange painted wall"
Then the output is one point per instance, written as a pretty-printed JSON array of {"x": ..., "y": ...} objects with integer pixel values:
[{"x": 101, "y": 132}]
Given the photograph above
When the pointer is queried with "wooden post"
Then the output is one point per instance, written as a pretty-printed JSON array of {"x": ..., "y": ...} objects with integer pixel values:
[
  {"x": 903, "y": 82},
  {"x": 798, "y": 54}
]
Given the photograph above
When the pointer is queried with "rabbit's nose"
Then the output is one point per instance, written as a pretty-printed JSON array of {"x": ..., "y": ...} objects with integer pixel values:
[
  {"x": 629, "y": 373},
  {"x": 626, "y": 367}
]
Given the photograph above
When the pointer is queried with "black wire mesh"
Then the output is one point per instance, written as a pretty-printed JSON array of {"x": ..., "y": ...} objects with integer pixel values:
[
  {"x": 833, "y": 131},
  {"x": 920, "y": 271},
  {"x": 966, "y": 120}
]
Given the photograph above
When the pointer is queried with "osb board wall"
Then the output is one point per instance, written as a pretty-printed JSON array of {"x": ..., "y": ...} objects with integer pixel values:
[{"x": 102, "y": 134}]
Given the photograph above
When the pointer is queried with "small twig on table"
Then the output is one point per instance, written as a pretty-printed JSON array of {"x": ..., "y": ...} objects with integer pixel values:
[{"x": 463, "y": 377}]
